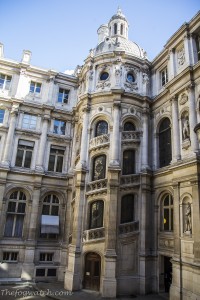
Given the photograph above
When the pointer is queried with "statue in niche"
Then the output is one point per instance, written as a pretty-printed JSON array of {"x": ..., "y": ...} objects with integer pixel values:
[
  {"x": 186, "y": 129},
  {"x": 188, "y": 224},
  {"x": 118, "y": 74}
]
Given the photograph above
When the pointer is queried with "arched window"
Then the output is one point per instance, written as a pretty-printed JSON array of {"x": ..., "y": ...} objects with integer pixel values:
[
  {"x": 167, "y": 213},
  {"x": 50, "y": 205},
  {"x": 129, "y": 126},
  {"x": 127, "y": 209},
  {"x": 99, "y": 167},
  {"x": 165, "y": 151},
  {"x": 15, "y": 214},
  {"x": 96, "y": 214},
  {"x": 101, "y": 128},
  {"x": 121, "y": 29},
  {"x": 115, "y": 28},
  {"x": 128, "y": 162}
]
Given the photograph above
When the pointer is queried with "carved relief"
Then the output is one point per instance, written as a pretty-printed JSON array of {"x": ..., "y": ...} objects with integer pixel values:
[
  {"x": 185, "y": 130},
  {"x": 181, "y": 56},
  {"x": 183, "y": 99}
]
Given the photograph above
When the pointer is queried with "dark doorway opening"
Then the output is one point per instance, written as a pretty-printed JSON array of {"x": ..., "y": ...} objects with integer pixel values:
[
  {"x": 165, "y": 274},
  {"x": 92, "y": 271}
]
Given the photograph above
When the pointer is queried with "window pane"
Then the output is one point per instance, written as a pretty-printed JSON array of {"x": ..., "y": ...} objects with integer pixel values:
[
  {"x": 9, "y": 225},
  {"x": 32, "y": 87},
  {"x": 22, "y": 196},
  {"x": 19, "y": 158},
  {"x": 14, "y": 195},
  {"x": 6, "y": 255},
  {"x": 21, "y": 207},
  {"x": 1, "y": 115},
  {"x": 51, "y": 162},
  {"x": 62, "y": 127},
  {"x": 128, "y": 126},
  {"x": 27, "y": 161},
  {"x": 127, "y": 209},
  {"x": 45, "y": 209},
  {"x": 56, "y": 126},
  {"x": 54, "y": 210},
  {"x": 165, "y": 153},
  {"x": 96, "y": 214},
  {"x": 128, "y": 162},
  {"x": 166, "y": 219},
  {"x": 11, "y": 206},
  {"x": 51, "y": 272},
  {"x": 13, "y": 256},
  {"x": 40, "y": 272},
  {"x": 101, "y": 128},
  {"x": 99, "y": 167},
  {"x": 19, "y": 225},
  {"x": 59, "y": 164}
]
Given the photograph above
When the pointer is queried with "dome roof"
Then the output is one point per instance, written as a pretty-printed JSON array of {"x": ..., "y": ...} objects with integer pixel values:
[
  {"x": 118, "y": 15},
  {"x": 119, "y": 44}
]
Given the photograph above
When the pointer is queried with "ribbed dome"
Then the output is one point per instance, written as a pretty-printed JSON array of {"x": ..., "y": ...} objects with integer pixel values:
[{"x": 119, "y": 44}]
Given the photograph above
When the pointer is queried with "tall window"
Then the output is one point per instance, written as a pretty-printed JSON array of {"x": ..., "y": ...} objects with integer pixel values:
[
  {"x": 15, "y": 214},
  {"x": 35, "y": 87},
  {"x": 129, "y": 126},
  {"x": 63, "y": 95},
  {"x": 56, "y": 159},
  {"x": 164, "y": 76},
  {"x": 50, "y": 205},
  {"x": 115, "y": 28},
  {"x": 96, "y": 214},
  {"x": 121, "y": 29},
  {"x": 5, "y": 81},
  {"x": 167, "y": 213},
  {"x": 2, "y": 112},
  {"x": 127, "y": 209},
  {"x": 128, "y": 162},
  {"x": 24, "y": 154},
  {"x": 165, "y": 152},
  {"x": 29, "y": 121},
  {"x": 99, "y": 167},
  {"x": 59, "y": 127},
  {"x": 101, "y": 128},
  {"x": 198, "y": 46}
]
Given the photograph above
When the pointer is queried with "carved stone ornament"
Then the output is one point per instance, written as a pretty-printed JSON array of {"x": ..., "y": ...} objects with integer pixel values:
[
  {"x": 183, "y": 99},
  {"x": 181, "y": 56},
  {"x": 103, "y": 85},
  {"x": 131, "y": 86}
]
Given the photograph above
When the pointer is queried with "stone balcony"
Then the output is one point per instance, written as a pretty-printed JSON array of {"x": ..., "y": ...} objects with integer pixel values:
[
  {"x": 131, "y": 136},
  {"x": 100, "y": 142},
  {"x": 97, "y": 185},
  {"x": 93, "y": 234},
  {"x": 129, "y": 227},
  {"x": 130, "y": 179}
]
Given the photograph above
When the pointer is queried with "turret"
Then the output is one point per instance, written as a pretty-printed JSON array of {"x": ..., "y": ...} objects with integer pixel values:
[{"x": 118, "y": 25}]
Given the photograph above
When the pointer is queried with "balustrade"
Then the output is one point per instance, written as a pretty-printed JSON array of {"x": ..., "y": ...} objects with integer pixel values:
[{"x": 93, "y": 234}]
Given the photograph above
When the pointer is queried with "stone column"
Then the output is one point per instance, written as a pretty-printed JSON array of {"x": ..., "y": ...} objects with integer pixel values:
[
  {"x": 10, "y": 137},
  {"x": 73, "y": 151},
  {"x": 84, "y": 139},
  {"x": 187, "y": 49},
  {"x": 172, "y": 65},
  {"x": 42, "y": 147},
  {"x": 34, "y": 213},
  {"x": 145, "y": 141},
  {"x": 195, "y": 219},
  {"x": 2, "y": 204},
  {"x": 116, "y": 135},
  {"x": 192, "y": 117},
  {"x": 176, "y": 130},
  {"x": 193, "y": 48}
]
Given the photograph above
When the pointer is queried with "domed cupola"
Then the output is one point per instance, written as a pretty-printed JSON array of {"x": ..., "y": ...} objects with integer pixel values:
[{"x": 118, "y": 25}]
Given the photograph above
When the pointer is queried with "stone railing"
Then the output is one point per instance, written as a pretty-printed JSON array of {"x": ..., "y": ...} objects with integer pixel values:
[
  {"x": 101, "y": 140},
  {"x": 129, "y": 179},
  {"x": 128, "y": 227},
  {"x": 131, "y": 135},
  {"x": 93, "y": 234},
  {"x": 97, "y": 185}
]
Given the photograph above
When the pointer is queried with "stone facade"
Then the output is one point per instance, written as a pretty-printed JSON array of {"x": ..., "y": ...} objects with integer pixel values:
[{"x": 99, "y": 171}]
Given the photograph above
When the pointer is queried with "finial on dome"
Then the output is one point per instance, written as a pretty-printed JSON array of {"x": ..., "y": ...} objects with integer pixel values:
[{"x": 119, "y": 11}]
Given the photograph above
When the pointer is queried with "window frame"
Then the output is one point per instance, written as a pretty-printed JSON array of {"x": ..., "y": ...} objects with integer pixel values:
[
  {"x": 164, "y": 139},
  {"x": 103, "y": 156},
  {"x": 59, "y": 131},
  {"x": 63, "y": 96},
  {"x": 127, "y": 165},
  {"x": 164, "y": 76},
  {"x": 96, "y": 128},
  {"x": 6, "y": 83},
  {"x": 123, "y": 217},
  {"x": 10, "y": 254},
  {"x": 100, "y": 219},
  {"x": 164, "y": 209},
  {"x": 26, "y": 149},
  {"x": 36, "y": 85},
  {"x": 2, "y": 118},
  {"x": 56, "y": 155},
  {"x": 30, "y": 118}
]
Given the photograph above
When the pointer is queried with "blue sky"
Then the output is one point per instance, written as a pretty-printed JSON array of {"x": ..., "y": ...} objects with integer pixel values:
[{"x": 60, "y": 33}]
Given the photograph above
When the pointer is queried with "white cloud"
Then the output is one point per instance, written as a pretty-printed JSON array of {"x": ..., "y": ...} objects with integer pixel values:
[{"x": 69, "y": 72}]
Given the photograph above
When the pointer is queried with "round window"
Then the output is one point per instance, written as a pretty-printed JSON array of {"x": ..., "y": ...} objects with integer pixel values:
[
  {"x": 130, "y": 77},
  {"x": 104, "y": 76}
]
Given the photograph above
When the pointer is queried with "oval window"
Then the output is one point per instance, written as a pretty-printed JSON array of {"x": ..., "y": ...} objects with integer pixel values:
[
  {"x": 104, "y": 76},
  {"x": 130, "y": 77}
]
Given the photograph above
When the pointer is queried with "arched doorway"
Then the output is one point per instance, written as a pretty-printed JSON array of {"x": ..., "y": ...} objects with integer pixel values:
[{"x": 92, "y": 271}]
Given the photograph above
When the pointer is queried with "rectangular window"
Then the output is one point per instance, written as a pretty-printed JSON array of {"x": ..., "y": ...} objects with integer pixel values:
[
  {"x": 10, "y": 256},
  {"x": 59, "y": 127},
  {"x": 46, "y": 257},
  {"x": 42, "y": 272},
  {"x": 5, "y": 82},
  {"x": 35, "y": 87},
  {"x": 24, "y": 154},
  {"x": 63, "y": 95},
  {"x": 164, "y": 76},
  {"x": 56, "y": 159},
  {"x": 29, "y": 122},
  {"x": 2, "y": 112}
]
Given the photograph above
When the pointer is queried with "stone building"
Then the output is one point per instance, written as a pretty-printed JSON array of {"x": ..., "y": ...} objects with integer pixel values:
[{"x": 99, "y": 171}]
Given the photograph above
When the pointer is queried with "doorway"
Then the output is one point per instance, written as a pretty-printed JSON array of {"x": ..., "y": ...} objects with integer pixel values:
[
  {"x": 165, "y": 274},
  {"x": 92, "y": 271}
]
